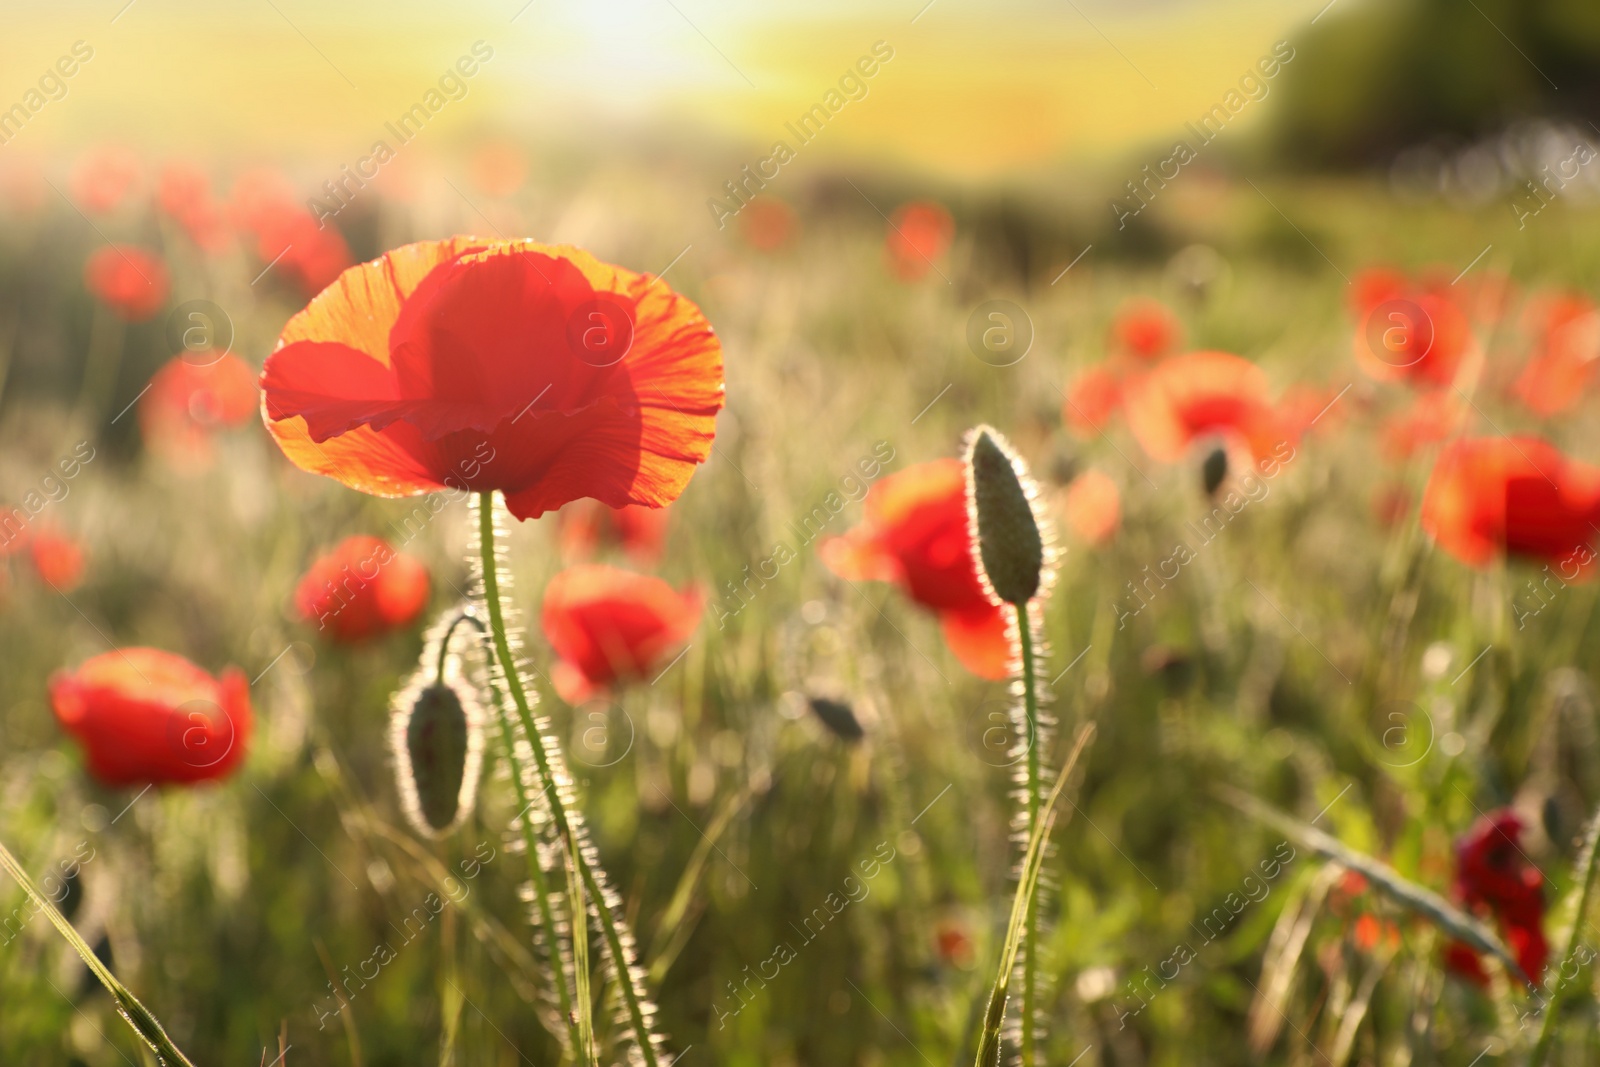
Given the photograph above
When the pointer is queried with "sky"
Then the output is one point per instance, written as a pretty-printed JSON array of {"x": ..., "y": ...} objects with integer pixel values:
[{"x": 973, "y": 89}]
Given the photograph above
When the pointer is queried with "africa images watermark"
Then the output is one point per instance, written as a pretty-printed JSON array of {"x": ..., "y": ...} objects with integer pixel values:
[
  {"x": 1550, "y": 186},
  {"x": 1252, "y": 86},
  {"x": 52, "y": 86},
  {"x": 833, "y": 905},
  {"x": 53, "y": 489},
  {"x": 452, "y": 85},
  {"x": 852, "y": 87},
  {"x": 807, "y": 529}
]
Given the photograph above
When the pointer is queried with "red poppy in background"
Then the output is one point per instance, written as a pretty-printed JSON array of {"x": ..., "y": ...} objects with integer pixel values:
[
  {"x": 919, "y": 236},
  {"x": 307, "y": 255},
  {"x": 1415, "y": 337},
  {"x": 1093, "y": 507},
  {"x": 183, "y": 191},
  {"x": 1199, "y": 395},
  {"x": 57, "y": 558},
  {"x": 1566, "y": 346},
  {"x": 1429, "y": 419},
  {"x": 1513, "y": 495},
  {"x": 1144, "y": 328},
  {"x": 585, "y": 524},
  {"x": 532, "y": 369},
  {"x": 133, "y": 283},
  {"x": 187, "y": 403},
  {"x": 1494, "y": 878},
  {"x": 1303, "y": 407},
  {"x": 499, "y": 168},
  {"x": 1374, "y": 286},
  {"x": 767, "y": 223},
  {"x": 143, "y": 715},
  {"x": 104, "y": 178},
  {"x": 362, "y": 588},
  {"x": 1092, "y": 398},
  {"x": 609, "y": 625},
  {"x": 913, "y": 532}
]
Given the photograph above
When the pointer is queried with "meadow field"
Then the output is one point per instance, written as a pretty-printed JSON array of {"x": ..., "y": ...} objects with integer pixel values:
[{"x": 804, "y": 799}]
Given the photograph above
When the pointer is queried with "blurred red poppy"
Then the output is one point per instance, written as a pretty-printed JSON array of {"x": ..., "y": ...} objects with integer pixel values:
[
  {"x": 1200, "y": 395},
  {"x": 480, "y": 365},
  {"x": 143, "y": 715},
  {"x": 1513, "y": 495},
  {"x": 1304, "y": 407},
  {"x": 1144, "y": 328},
  {"x": 133, "y": 283},
  {"x": 1495, "y": 878},
  {"x": 1093, "y": 507},
  {"x": 1566, "y": 347},
  {"x": 499, "y": 168},
  {"x": 609, "y": 625},
  {"x": 919, "y": 236},
  {"x": 187, "y": 403},
  {"x": 1430, "y": 418},
  {"x": 639, "y": 531},
  {"x": 1092, "y": 398},
  {"x": 104, "y": 178},
  {"x": 1415, "y": 337},
  {"x": 57, "y": 558},
  {"x": 767, "y": 223},
  {"x": 1374, "y": 286},
  {"x": 362, "y": 588},
  {"x": 914, "y": 533},
  {"x": 183, "y": 191}
]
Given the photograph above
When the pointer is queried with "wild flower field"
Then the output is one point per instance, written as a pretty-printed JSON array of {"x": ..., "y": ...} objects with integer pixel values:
[{"x": 1310, "y": 467}]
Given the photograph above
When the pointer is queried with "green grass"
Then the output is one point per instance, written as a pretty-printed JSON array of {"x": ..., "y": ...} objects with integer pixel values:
[{"x": 229, "y": 910}]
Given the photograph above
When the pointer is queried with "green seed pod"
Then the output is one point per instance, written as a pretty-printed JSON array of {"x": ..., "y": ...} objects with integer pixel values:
[{"x": 1001, "y": 517}]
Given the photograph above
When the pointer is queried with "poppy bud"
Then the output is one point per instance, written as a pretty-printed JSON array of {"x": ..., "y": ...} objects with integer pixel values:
[
  {"x": 1001, "y": 520},
  {"x": 1213, "y": 470},
  {"x": 838, "y": 717},
  {"x": 437, "y": 740}
]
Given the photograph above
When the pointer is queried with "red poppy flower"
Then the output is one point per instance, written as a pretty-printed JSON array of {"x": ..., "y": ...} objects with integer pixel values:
[
  {"x": 919, "y": 236},
  {"x": 308, "y": 255},
  {"x": 1415, "y": 337},
  {"x": 499, "y": 168},
  {"x": 103, "y": 179},
  {"x": 1429, "y": 419},
  {"x": 57, "y": 558},
  {"x": 639, "y": 531},
  {"x": 914, "y": 533},
  {"x": 1374, "y": 286},
  {"x": 1092, "y": 398},
  {"x": 1200, "y": 395},
  {"x": 362, "y": 588},
  {"x": 1561, "y": 369},
  {"x": 183, "y": 191},
  {"x": 1144, "y": 328},
  {"x": 143, "y": 715},
  {"x": 1494, "y": 878},
  {"x": 1303, "y": 407},
  {"x": 133, "y": 283},
  {"x": 1514, "y": 495},
  {"x": 609, "y": 625},
  {"x": 767, "y": 223},
  {"x": 188, "y": 402},
  {"x": 1093, "y": 507},
  {"x": 532, "y": 369}
]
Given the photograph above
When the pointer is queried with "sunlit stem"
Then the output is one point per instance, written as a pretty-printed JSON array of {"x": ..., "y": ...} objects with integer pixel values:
[
  {"x": 1030, "y": 708},
  {"x": 547, "y": 780},
  {"x": 1587, "y": 864}
]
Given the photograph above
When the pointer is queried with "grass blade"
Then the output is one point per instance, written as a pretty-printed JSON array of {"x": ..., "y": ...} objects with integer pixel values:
[{"x": 1032, "y": 866}]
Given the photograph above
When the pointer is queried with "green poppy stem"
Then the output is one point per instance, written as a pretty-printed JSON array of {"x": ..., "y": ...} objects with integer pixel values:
[
  {"x": 548, "y": 782},
  {"x": 1030, "y": 708}
]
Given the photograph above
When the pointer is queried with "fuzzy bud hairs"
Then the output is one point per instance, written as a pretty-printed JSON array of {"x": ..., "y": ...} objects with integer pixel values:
[
  {"x": 1001, "y": 516},
  {"x": 436, "y": 736}
]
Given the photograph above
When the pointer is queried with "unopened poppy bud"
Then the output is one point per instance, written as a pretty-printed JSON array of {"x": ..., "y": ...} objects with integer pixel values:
[
  {"x": 1001, "y": 519},
  {"x": 839, "y": 718},
  {"x": 1213, "y": 470},
  {"x": 436, "y": 736}
]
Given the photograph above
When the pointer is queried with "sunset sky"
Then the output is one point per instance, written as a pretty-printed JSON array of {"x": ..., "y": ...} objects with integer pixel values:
[{"x": 973, "y": 89}]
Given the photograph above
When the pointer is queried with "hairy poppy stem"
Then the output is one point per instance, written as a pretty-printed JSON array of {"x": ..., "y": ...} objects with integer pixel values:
[
  {"x": 591, "y": 884},
  {"x": 136, "y": 1014},
  {"x": 1587, "y": 864},
  {"x": 1030, "y": 707}
]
